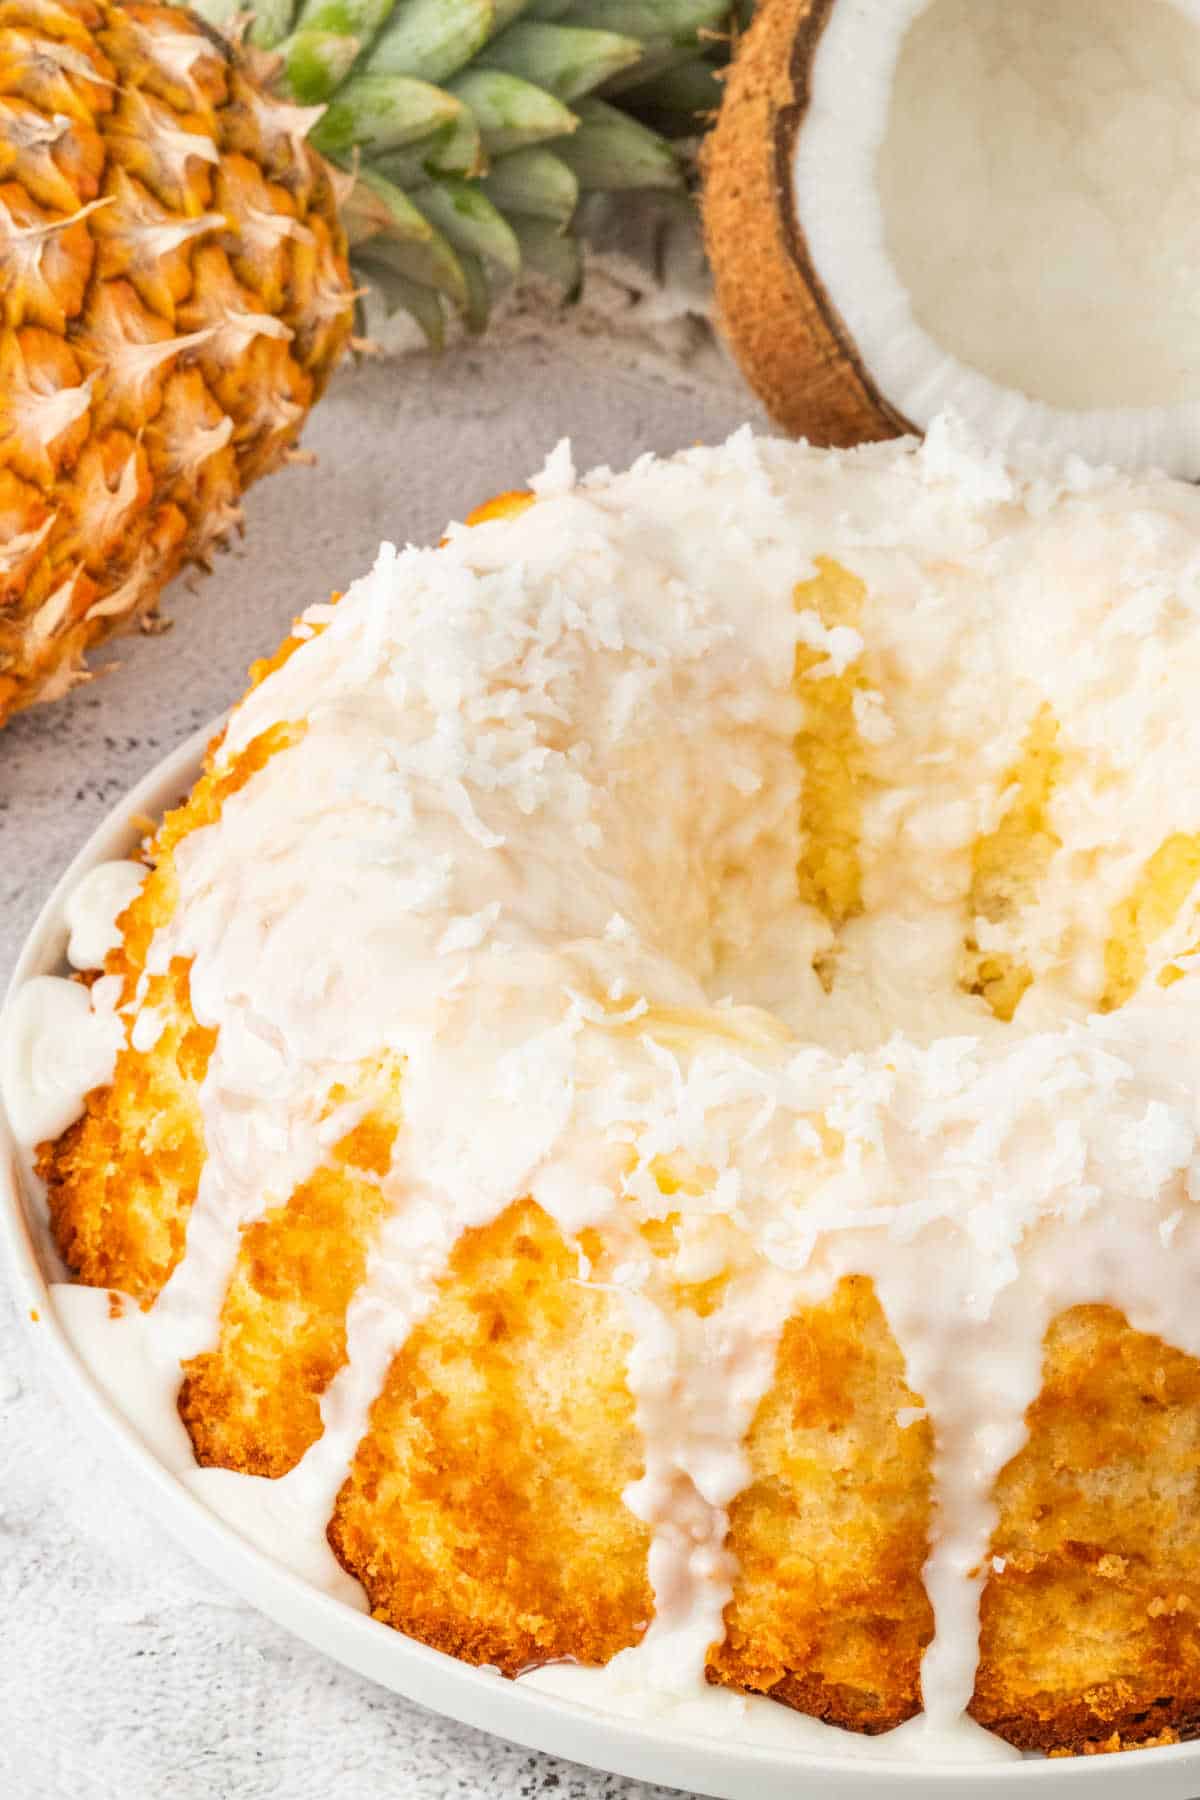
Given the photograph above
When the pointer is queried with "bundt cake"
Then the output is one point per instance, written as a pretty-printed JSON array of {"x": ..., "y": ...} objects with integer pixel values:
[{"x": 651, "y": 1088}]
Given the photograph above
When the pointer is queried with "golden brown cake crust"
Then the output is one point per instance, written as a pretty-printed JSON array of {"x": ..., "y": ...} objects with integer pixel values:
[
  {"x": 1091, "y": 1626},
  {"x": 120, "y": 1182},
  {"x": 829, "y": 1614},
  {"x": 253, "y": 1403},
  {"x": 483, "y": 1511}
]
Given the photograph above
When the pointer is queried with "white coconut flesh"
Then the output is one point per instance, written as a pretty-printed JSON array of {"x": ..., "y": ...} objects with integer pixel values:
[{"x": 1001, "y": 199}]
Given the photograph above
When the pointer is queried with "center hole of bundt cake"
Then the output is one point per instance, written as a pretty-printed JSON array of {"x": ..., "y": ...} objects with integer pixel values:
[
  {"x": 973, "y": 870},
  {"x": 881, "y": 975},
  {"x": 924, "y": 846}
]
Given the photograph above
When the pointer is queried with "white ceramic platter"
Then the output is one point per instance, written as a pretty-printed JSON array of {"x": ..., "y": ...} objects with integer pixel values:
[{"x": 682, "y": 1759}]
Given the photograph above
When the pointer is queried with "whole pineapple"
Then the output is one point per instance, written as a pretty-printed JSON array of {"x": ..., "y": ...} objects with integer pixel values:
[
  {"x": 175, "y": 293},
  {"x": 173, "y": 268}
]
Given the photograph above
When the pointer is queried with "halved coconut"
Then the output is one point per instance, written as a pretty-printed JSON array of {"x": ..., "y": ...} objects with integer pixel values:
[{"x": 989, "y": 205}]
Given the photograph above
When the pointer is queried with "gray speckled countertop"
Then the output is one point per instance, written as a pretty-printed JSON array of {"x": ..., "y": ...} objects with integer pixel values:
[{"x": 124, "y": 1671}]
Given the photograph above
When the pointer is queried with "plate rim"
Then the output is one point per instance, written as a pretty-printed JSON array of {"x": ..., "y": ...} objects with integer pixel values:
[{"x": 478, "y": 1697}]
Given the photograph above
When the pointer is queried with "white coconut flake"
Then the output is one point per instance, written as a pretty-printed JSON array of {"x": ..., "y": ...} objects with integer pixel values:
[{"x": 557, "y": 475}]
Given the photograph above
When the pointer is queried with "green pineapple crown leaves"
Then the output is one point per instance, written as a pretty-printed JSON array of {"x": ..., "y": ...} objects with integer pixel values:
[{"x": 473, "y": 127}]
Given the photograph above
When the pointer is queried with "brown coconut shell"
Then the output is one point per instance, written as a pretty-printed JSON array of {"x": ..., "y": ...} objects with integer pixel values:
[{"x": 788, "y": 337}]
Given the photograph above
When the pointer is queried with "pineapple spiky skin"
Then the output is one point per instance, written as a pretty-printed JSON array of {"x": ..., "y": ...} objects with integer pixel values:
[
  {"x": 174, "y": 291},
  {"x": 174, "y": 284}
]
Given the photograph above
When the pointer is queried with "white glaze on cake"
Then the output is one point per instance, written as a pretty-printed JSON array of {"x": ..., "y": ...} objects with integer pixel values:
[
  {"x": 60, "y": 1041},
  {"x": 539, "y": 841},
  {"x": 93, "y": 909}
]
